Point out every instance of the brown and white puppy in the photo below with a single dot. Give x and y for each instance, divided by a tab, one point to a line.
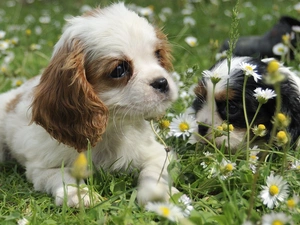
229	89
108	74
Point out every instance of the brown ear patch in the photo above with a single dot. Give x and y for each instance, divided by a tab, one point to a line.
225	95
164	50
65	103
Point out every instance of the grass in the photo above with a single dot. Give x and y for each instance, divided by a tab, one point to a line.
216	201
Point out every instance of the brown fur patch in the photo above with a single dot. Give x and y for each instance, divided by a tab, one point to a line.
10	107
99	73
200	90
224	95
164	49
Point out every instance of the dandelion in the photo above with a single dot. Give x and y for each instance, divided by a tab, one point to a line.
79	169
250	70
182	125
186	201
263	96
280	49
276	219
191	41
292	202
259	130
167	210
275	191
282	138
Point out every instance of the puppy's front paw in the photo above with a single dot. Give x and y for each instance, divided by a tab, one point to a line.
152	192
70	193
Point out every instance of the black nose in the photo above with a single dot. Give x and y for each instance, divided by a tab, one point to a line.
161	85
202	130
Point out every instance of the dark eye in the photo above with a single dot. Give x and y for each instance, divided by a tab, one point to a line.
120	71
158	55
233	110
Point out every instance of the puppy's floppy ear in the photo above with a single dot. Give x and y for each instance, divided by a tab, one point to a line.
65	104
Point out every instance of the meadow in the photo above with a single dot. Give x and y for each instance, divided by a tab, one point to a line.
215	188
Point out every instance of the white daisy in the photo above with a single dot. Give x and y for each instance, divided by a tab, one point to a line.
191	41
250	70
4	45
167	210
23	221
213	76
189	21
2	34
275	191
263	96
276	218
296	29
253	154
182	125
146	11
296	164
280	49
221	55
293	202
188	208
226	167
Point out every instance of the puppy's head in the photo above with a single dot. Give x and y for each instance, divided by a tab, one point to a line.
107	62
227	102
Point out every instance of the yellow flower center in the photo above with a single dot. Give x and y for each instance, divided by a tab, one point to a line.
229	167
277	222
28	32
249	68
253	157
183	126
273	190
261	127
165	124
281	117
291	203
18	83
298	167
282	137
273	66
79	169
165	211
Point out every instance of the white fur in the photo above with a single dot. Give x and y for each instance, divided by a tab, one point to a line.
128	141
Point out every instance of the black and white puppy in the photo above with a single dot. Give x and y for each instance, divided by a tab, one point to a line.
230	88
